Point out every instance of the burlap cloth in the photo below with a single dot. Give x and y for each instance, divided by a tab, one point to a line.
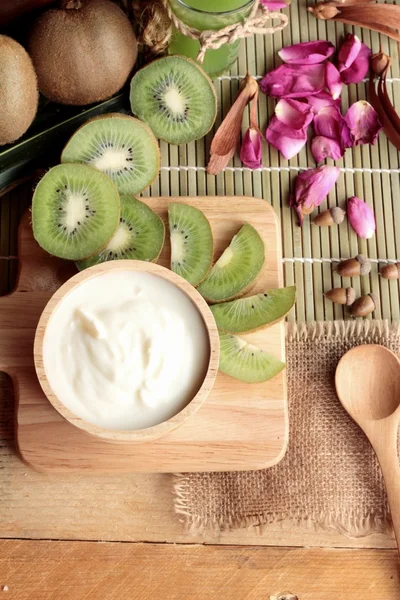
329	476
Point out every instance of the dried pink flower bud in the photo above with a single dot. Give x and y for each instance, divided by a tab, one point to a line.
361	217
307	53
311	188
251	149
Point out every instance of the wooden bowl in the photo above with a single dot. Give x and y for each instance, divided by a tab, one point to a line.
139	435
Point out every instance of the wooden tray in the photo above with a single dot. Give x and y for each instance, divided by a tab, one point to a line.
239	427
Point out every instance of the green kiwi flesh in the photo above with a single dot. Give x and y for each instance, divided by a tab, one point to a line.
254	312
237	268
176	98
122	147
246	362
191	242
139	236
75	211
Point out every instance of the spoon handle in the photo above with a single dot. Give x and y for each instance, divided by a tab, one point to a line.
384	441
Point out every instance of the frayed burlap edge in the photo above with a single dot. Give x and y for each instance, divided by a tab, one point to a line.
347	523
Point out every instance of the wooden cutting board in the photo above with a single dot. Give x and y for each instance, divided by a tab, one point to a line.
239	427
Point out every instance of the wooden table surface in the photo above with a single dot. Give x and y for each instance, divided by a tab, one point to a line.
69	537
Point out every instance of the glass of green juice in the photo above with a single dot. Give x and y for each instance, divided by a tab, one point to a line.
208	15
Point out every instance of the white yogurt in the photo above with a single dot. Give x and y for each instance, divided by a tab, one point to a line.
126	350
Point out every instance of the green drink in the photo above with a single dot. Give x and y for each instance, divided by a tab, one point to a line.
208	15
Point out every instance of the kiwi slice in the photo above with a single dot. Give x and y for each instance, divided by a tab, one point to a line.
176	98
237	268
246	362
191	242
139	236
122	147
75	211
248	314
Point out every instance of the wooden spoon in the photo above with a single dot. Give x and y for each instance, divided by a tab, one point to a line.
368	386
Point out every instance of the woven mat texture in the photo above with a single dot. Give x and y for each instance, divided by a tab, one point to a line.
370	172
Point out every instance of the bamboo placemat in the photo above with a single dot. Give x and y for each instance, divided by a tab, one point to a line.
370	172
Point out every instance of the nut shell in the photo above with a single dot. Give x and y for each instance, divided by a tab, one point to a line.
391	271
364	306
342	295
332	216
352	267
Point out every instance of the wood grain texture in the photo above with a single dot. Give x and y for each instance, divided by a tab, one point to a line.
134	266
133	507
113	571
239	426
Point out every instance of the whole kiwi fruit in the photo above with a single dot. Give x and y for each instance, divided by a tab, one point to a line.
18	90
83	52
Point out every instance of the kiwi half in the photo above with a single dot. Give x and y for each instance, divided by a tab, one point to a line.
176	98
237	268
139	236
122	147
246	362
254	312
75	211
191	242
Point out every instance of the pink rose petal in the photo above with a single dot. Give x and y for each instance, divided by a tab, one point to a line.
329	122
359	68
251	150
361	217
322	100
275	4
294	81
311	188
348	51
287	140
323	147
333	80
363	122
307	53
293	113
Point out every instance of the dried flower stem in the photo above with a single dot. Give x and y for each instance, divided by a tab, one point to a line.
227	137
383	18
380	64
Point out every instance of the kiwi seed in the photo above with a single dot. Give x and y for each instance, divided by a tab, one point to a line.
139	236
75	211
237	268
176	98
191	242
122	147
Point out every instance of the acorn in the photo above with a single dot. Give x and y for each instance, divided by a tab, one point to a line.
332	216
352	267
342	295
391	271
364	306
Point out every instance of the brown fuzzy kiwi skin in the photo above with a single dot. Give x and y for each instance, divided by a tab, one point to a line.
123	116
84	53
196	64
19	94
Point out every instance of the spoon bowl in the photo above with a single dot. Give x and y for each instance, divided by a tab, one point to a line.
368	382
368	386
